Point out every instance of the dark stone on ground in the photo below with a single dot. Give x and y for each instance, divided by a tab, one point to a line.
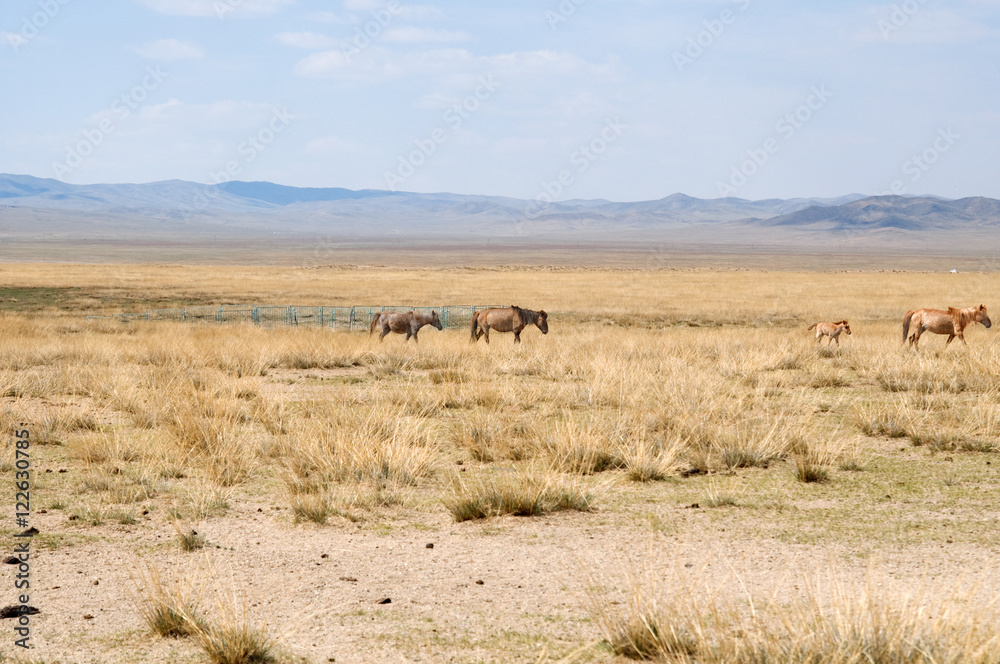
17	610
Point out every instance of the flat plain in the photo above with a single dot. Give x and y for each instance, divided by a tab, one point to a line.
676	471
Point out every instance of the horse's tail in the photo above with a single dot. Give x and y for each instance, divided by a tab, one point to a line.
375	318
906	324
812	326
475	326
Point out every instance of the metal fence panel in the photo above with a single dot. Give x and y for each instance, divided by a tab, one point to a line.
337	318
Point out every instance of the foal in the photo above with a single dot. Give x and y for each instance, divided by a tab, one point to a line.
831	330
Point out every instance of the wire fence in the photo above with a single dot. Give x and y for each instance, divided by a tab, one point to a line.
341	318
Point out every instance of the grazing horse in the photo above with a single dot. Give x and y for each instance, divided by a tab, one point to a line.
408	323
951	322
831	330
513	320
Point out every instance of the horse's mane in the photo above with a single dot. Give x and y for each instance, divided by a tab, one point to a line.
963	316
528	317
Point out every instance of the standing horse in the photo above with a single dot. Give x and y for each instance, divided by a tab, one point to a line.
831	330
408	323
513	320
951	322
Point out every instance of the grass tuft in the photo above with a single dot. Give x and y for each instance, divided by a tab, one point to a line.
511	493
189	538
169	607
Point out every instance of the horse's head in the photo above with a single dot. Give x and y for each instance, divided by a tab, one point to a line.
981	316
543	322
847	326
435	321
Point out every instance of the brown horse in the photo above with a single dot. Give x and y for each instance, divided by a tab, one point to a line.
831	330
408	323
951	322
513	320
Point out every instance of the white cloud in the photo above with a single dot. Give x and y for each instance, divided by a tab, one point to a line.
169	49
216	8
157	111
330	17
227	112
363	5
326	64
307	40
458	64
412	34
408	11
397	8
376	63
548	62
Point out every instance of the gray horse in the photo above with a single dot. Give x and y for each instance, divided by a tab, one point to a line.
400	323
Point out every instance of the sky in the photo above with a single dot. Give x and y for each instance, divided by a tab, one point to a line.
623	100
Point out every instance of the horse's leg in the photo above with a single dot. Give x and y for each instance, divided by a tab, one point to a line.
415	335
486	333
385	331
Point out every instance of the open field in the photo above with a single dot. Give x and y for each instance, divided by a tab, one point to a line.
726	248
675	470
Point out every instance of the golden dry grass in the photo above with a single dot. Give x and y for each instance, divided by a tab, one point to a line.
647	381
671	616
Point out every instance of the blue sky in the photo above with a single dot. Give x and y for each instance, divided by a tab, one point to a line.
617	99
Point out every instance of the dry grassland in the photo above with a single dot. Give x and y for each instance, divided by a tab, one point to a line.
676	471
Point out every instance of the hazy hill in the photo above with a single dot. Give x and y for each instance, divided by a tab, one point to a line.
300	208
908	213
41	208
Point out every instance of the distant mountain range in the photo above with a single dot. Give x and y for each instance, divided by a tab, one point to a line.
31	206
